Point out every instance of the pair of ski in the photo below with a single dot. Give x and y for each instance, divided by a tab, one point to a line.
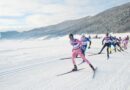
93	76
94	72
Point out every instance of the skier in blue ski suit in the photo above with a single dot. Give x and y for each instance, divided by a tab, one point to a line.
85	40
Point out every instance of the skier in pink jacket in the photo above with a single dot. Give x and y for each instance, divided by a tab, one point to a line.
77	51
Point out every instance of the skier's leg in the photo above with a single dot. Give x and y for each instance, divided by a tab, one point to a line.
74	55
108	46
83	49
125	46
110	50
84	58
83	52
120	47
102	48
115	47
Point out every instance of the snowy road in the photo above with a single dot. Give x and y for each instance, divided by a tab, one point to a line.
34	64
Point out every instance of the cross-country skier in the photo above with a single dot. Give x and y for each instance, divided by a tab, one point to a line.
125	42
85	41
77	51
115	43
106	42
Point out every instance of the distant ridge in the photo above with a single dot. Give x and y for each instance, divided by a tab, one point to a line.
116	19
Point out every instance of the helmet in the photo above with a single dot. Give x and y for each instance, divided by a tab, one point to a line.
71	35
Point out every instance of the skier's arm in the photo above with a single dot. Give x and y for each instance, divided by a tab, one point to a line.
79	43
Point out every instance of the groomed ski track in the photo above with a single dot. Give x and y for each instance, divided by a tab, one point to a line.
35	64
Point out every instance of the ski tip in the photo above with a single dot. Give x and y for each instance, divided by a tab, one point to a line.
94	72
70	72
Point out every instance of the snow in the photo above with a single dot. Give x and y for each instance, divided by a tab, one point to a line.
35	64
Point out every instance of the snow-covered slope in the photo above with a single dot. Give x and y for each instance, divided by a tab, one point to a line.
34	64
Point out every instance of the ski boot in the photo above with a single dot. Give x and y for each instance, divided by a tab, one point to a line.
75	68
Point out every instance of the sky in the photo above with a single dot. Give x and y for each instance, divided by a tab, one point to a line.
23	15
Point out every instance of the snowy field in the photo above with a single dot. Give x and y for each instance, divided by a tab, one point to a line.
35	64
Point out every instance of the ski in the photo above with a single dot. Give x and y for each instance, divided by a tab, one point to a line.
125	51
122	50
95	54
68	58
81	62
69	72
65	58
94	72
